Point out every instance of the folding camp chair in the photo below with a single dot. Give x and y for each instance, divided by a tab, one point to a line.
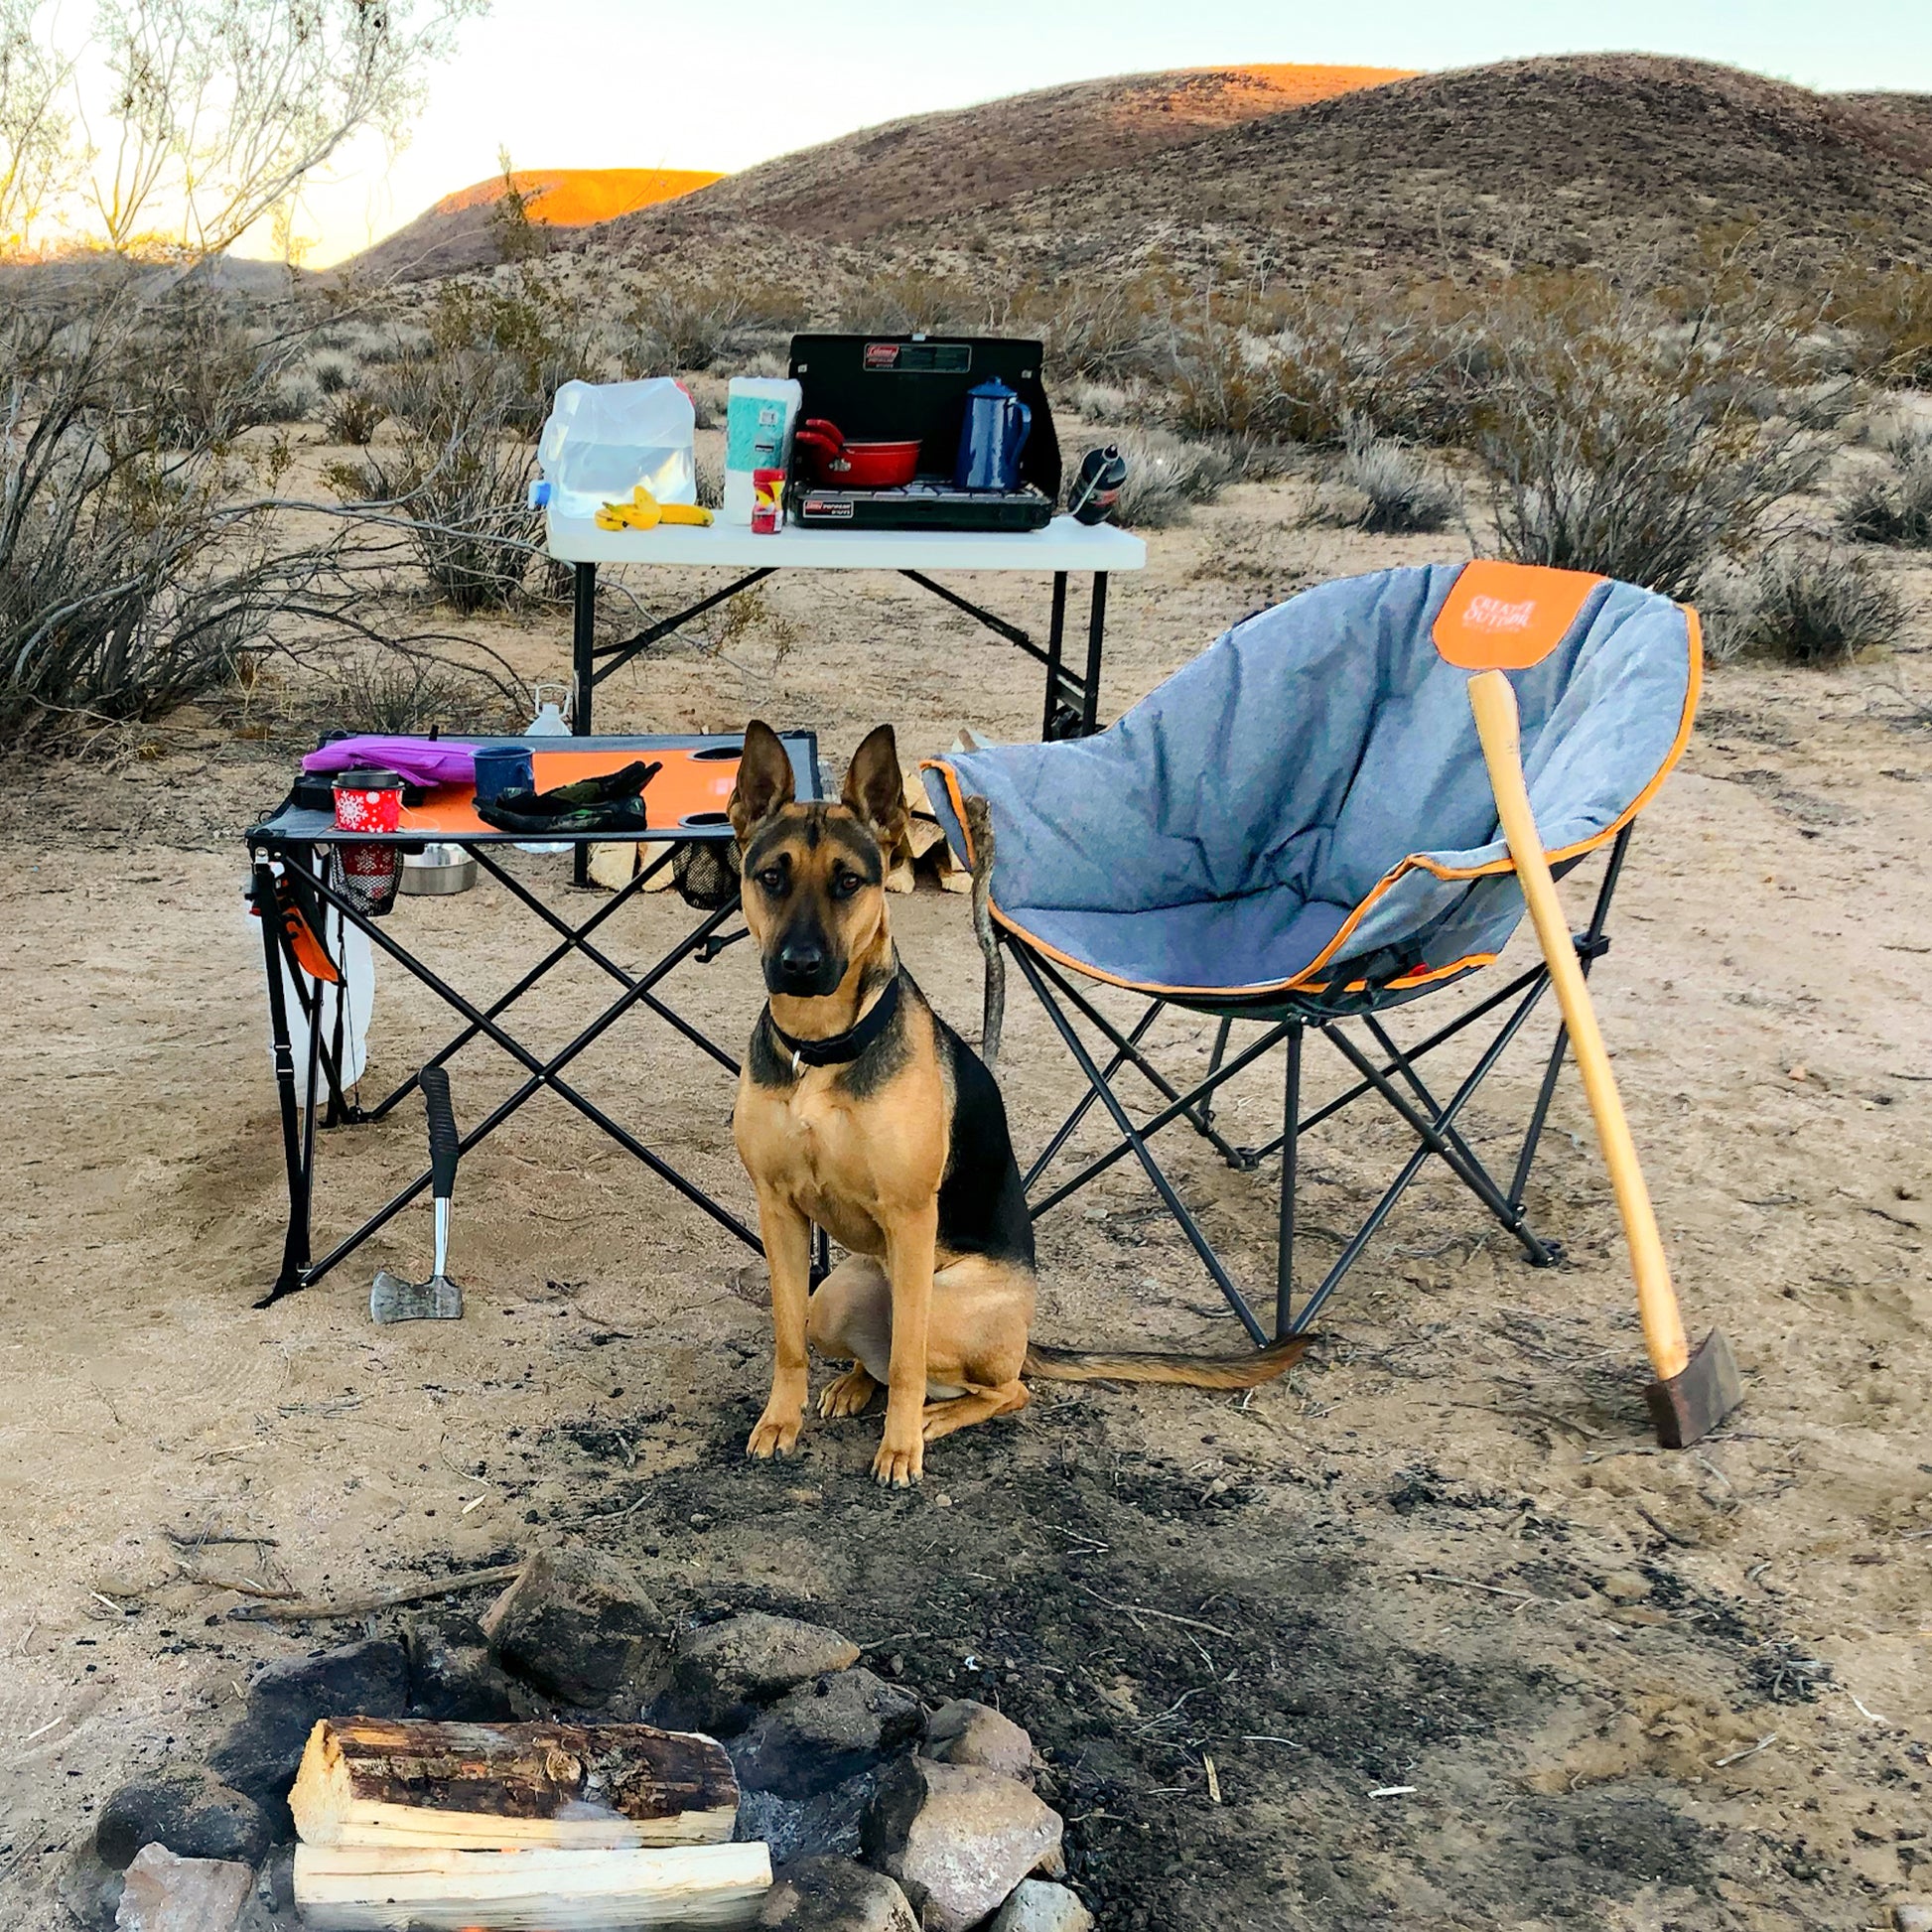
1298	830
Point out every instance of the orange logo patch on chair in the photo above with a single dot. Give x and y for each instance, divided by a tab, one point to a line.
1504	616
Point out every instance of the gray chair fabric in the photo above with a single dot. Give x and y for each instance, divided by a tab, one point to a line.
1318	766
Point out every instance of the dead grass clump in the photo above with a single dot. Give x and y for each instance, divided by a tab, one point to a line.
1894	506
1167	478
407	693
1401	494
1810	605
352	417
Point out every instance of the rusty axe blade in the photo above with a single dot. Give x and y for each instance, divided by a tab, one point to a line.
1687	1406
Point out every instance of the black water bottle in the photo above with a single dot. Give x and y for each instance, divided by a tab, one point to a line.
1096	485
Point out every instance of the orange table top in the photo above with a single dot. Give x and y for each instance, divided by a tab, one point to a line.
687	797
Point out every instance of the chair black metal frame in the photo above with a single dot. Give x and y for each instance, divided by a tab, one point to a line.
1386	1070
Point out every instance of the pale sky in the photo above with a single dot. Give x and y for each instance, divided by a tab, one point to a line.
612	83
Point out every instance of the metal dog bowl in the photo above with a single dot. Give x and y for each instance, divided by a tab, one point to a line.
438	869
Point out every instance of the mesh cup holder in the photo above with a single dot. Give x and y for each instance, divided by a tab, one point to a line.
706	871
366	875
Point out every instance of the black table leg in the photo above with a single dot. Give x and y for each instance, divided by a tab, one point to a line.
1055	641
295	1246
582	641
1096	633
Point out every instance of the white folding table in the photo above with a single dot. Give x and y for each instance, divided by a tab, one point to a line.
1072	708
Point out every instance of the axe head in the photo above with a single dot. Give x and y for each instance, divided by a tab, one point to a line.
1694	1400
436	1300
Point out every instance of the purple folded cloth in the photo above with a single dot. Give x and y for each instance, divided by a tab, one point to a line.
420	761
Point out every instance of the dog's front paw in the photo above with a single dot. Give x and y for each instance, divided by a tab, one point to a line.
899	1464
776	1434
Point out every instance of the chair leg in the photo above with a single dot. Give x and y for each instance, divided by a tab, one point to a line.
1290	1147
1152	1167
1429	1132
1066	1128
1197	1117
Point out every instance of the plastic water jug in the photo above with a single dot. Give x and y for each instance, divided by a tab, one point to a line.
548	723
604	439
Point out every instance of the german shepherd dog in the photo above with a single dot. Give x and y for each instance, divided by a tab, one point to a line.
862	1111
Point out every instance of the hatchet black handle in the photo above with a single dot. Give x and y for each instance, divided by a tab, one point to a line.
435	1082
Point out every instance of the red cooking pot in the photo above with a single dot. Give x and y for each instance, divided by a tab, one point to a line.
840	464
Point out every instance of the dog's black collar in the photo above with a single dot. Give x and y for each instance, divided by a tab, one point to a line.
839	1049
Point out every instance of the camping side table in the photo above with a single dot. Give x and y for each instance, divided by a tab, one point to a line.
687	797
1064	548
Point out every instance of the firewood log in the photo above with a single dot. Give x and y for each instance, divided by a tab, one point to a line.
351	1888
407	1782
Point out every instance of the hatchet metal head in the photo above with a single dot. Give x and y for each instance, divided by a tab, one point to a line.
436	1300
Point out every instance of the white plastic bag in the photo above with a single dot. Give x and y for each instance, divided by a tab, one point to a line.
351	945
602	439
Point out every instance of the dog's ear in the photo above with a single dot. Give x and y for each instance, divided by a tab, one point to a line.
873	789
764	783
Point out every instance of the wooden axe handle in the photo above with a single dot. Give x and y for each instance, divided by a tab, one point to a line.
1493	700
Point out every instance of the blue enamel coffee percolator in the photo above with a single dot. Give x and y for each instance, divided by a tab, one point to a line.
989	441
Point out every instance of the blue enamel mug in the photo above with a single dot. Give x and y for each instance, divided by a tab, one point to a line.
501	768
991	439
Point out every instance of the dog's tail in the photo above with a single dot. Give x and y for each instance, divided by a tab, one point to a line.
1190	1371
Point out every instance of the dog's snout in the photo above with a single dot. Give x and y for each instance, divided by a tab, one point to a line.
802	964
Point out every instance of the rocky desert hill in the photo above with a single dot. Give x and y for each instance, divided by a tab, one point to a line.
939	167
1602	158
458	232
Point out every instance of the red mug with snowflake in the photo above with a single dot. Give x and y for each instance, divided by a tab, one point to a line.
368	802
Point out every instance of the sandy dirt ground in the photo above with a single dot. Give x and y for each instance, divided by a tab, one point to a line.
1463	1648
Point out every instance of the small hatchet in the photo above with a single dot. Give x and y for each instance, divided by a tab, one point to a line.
438	1298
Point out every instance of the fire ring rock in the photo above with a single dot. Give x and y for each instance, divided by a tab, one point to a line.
824	1732
188	1810
262	1750
578	1626
165	1894
957	1838
834	1895
726	1670
1036	1906
963	1731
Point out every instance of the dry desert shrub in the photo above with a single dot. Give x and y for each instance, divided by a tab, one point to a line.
1617	442
1806	603
903	302
1167	478
457	478
410	692
1894	504
1887	313
533	338
1106	329
1401	493
352	417
133	575
683	328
